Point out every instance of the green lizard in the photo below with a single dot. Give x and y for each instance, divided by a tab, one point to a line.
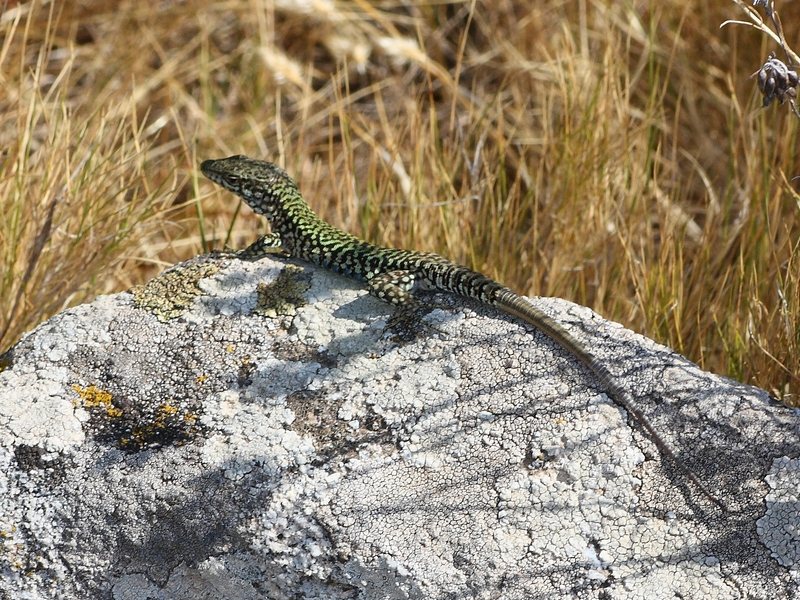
391	274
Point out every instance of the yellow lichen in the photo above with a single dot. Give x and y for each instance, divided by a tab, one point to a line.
94	397
165	422
167	409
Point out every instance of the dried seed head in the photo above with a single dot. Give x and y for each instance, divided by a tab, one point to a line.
776	81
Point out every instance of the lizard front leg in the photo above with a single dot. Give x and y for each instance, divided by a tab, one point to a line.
266	244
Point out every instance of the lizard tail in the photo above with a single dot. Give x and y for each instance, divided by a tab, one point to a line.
517	306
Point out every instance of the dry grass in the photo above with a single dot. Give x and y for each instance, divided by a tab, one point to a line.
612	153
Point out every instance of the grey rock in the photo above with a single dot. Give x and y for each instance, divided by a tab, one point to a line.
243	430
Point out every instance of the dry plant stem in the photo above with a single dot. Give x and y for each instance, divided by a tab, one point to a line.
39	242
758	23
791	56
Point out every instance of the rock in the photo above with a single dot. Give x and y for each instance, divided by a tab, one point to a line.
266	430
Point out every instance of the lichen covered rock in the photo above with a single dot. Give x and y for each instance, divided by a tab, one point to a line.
261	430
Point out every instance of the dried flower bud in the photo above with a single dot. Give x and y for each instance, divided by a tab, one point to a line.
776	81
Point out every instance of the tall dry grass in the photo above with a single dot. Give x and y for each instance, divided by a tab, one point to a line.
612	153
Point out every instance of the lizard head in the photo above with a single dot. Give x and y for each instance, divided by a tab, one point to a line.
263	185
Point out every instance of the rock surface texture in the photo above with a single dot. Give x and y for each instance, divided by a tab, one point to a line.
267	430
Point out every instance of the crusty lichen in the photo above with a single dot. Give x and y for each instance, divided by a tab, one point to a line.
171	293
284	295
94	397
326	462
168	423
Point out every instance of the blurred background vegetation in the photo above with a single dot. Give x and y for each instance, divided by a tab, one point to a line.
612	153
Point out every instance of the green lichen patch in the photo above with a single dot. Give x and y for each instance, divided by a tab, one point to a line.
283	296
171	293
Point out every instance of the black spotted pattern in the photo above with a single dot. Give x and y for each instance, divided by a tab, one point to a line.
270	192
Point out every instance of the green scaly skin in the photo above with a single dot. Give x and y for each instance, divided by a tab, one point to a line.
390	273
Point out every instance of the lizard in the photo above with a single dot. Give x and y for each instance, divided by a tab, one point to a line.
392	274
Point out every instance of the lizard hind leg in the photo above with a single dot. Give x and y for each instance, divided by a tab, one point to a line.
395	288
